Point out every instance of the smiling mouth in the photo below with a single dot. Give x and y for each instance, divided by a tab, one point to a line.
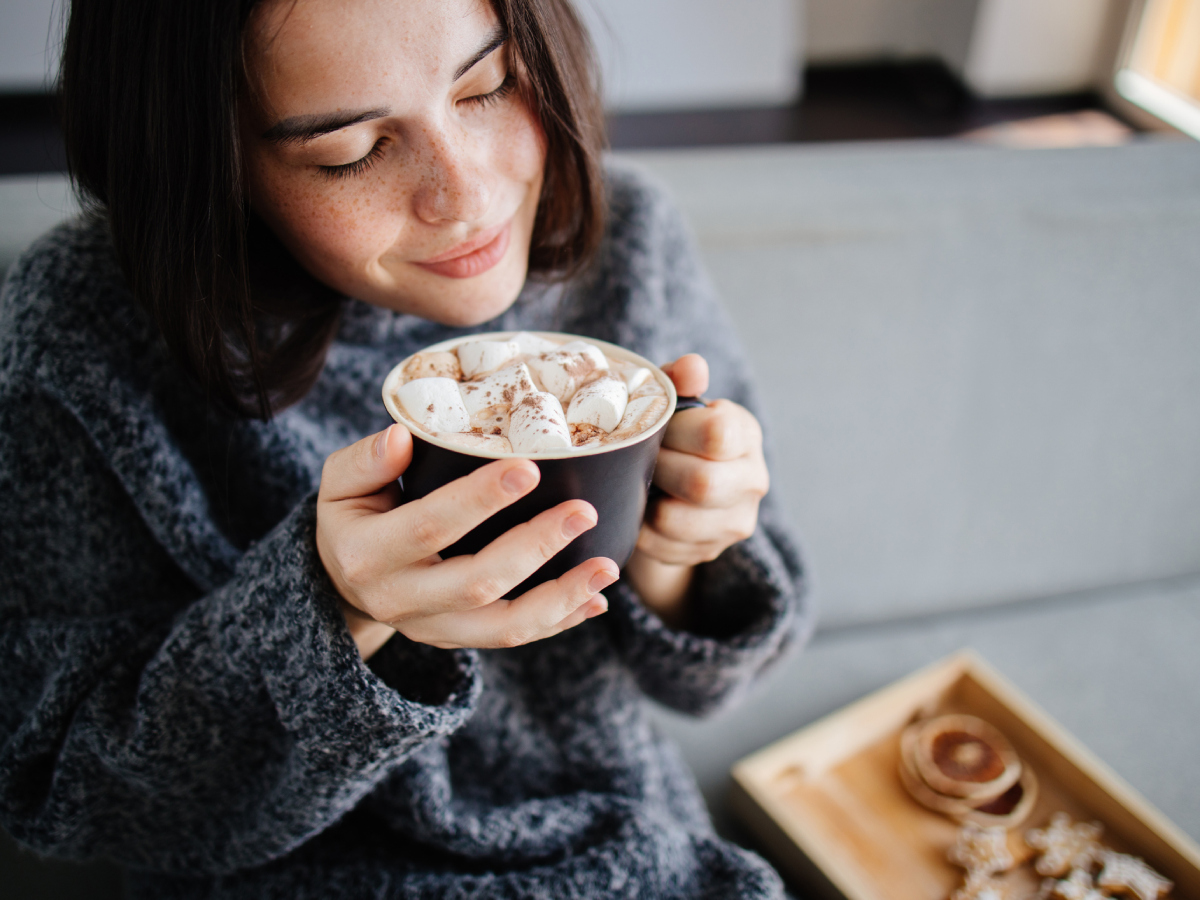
472	257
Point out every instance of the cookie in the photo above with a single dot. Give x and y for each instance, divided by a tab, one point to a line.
1008	810
1130	875
963	756
1065	845
981	887
981	851
1078	886
916	786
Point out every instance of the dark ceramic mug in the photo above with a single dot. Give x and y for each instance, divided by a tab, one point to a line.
614	478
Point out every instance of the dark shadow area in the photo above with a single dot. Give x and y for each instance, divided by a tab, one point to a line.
26	876
876	101
30	139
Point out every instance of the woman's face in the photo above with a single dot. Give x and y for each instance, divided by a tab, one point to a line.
388	147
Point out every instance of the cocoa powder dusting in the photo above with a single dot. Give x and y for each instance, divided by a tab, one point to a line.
576	364
584	432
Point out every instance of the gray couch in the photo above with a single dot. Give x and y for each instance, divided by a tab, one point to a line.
983	372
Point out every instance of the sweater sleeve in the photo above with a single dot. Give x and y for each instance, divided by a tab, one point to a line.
169	726
749	606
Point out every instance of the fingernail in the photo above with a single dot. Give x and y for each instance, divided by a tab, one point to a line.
600	581
518	480
597	606
381	442
576	525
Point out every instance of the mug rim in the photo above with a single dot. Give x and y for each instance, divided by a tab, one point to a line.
612	351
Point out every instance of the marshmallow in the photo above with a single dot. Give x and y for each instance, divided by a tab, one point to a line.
600	403
491	419
435	404
640	414
591	351
443	364
507	387
563	370
478	357
531	344
636	378
538	425
487	443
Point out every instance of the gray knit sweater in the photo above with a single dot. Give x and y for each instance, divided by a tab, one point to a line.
178	690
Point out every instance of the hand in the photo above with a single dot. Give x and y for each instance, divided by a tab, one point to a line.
383	556
711	466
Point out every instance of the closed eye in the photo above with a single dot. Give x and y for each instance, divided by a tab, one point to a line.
492	97
349	170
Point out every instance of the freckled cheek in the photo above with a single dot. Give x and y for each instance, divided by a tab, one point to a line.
345	224
520	149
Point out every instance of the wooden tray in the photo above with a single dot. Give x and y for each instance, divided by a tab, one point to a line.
828	803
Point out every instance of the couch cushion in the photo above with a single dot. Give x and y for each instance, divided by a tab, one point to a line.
980	363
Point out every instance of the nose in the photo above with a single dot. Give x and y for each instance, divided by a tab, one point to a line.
454	185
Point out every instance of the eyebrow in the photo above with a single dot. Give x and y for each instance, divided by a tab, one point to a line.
302	129
494	40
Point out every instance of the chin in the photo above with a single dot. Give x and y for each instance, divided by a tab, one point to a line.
481	306
480	302
465	318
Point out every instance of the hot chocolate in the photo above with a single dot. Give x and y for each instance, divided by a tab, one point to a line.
529	395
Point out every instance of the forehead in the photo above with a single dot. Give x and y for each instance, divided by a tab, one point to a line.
319	55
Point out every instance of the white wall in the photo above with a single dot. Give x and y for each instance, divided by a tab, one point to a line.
1037	46
854	30
28	55
1000	47
671	54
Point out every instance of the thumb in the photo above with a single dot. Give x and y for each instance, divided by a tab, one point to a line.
368	466
690	374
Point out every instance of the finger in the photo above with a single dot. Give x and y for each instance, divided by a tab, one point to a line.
722	430
594	607
426	526
470	582
678	553
367	466
689	373
709	484
534	615
678	521
540	613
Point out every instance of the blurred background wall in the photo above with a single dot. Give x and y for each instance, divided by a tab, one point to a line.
670	54
28	54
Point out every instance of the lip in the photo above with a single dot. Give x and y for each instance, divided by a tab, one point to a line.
472	257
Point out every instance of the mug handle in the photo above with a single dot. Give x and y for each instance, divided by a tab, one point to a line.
681	403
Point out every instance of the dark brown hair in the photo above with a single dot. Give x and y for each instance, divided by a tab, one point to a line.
149	98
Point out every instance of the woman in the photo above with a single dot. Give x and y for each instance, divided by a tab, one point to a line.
233	659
